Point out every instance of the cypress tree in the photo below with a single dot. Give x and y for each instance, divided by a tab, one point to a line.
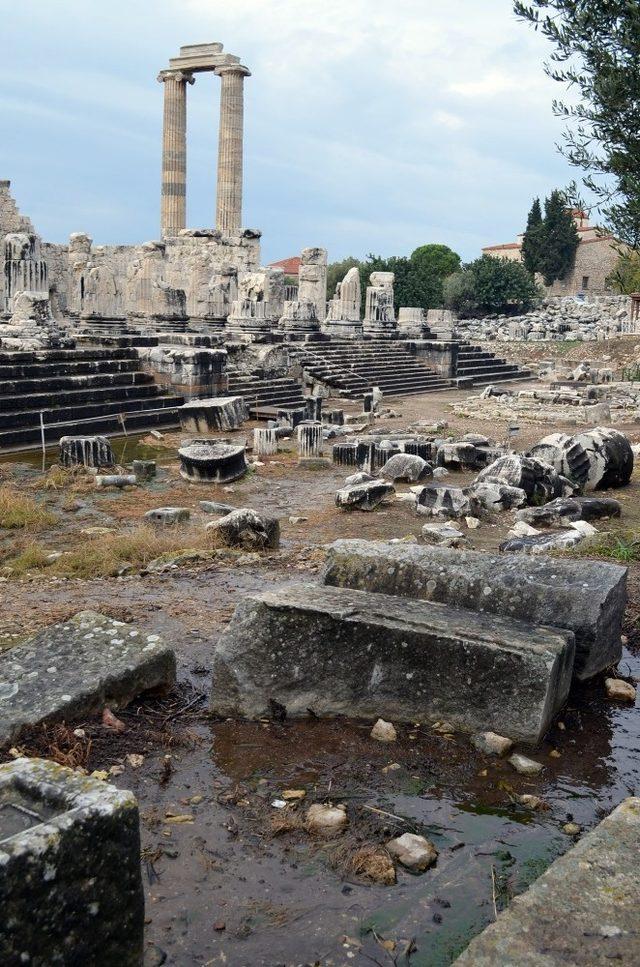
560	239
533	241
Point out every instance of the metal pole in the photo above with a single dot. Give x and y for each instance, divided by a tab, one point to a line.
44	448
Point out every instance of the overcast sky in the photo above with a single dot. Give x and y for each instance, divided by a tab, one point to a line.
370	126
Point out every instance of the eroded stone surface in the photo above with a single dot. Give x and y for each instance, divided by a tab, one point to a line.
583	910
340	651
76	668
70	883
246	528
586	597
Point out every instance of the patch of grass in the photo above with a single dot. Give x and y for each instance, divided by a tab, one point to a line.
32	558
19	511
623	547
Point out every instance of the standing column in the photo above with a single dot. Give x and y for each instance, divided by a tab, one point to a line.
173	202
230	138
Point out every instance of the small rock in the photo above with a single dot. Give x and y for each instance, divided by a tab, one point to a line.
571	829
384	731
325	818
472	523
491	743
532	802
135	760
413	851
525	766
619	690
522	529
298	520
392	767
292	795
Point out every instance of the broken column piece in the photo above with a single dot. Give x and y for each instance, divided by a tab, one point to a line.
586	597
70	881
310	441
86	451
345	652
212	461
265	442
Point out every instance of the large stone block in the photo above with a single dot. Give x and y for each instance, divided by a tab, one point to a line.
340	651
77	667
583	910
217	413
70	884
585	597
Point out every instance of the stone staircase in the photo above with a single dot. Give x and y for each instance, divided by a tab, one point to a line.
265	394
78	391
352	368
477	367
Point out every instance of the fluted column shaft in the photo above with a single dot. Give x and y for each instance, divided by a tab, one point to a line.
230	149
173	203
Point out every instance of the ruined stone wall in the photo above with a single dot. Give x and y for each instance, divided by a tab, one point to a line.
57	259
10	218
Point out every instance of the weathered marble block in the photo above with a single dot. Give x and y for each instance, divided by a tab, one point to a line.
76	668
585	597
86	451
168	516
310	441
345	652
217	413
265	442
212	462
595	885
70	883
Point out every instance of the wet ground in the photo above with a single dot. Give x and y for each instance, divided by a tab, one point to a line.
232	879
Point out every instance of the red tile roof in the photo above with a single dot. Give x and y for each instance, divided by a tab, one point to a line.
289	266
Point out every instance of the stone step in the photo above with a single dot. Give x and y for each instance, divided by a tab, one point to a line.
74	398
30	417
44	370
585	597
408	661
140	415
87	382
63	355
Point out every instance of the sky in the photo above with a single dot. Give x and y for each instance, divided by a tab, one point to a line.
370	125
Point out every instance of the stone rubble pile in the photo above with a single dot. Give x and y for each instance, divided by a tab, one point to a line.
564	318
574	404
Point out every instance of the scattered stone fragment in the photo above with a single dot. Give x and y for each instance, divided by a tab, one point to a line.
566	455
595	885
619	690
358	478
77	667
532	802
445	534
520	529
247	528
116	480
472	523
216	508
565	509
365	496
584	528
326	819
542	543
586	597
539	481
144	469
492	744
439	500
406	466
525	766
496	497
413	852
168	516
72	872
384	731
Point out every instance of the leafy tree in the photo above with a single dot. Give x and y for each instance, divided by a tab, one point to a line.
625	277
418	279
534	241
491	285
560	239
596	54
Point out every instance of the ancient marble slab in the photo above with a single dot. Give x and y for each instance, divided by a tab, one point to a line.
583	910
76	668
340	651
585	597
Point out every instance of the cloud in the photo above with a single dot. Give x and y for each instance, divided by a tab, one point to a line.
369	125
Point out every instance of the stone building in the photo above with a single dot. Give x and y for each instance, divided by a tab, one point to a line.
596	257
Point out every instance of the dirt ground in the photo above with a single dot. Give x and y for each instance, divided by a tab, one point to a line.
230	878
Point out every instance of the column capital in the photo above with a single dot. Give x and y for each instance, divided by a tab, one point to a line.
176	75
232	69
